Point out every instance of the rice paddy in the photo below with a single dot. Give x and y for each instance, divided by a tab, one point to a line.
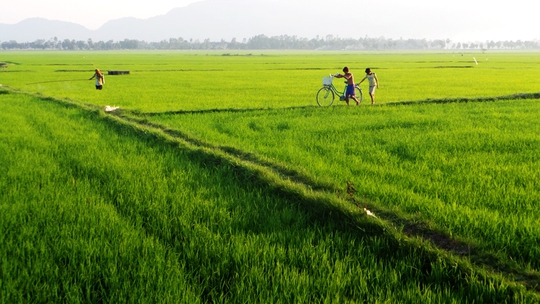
219	179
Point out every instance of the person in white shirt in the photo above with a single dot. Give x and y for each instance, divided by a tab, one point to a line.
373	83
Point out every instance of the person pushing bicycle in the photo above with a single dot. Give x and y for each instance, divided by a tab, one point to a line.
350	85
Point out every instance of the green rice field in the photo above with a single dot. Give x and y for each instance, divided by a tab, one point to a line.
220	180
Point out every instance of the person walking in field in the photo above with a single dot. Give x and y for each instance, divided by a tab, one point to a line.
373	83
100	79
350	85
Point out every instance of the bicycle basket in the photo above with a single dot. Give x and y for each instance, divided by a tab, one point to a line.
327	81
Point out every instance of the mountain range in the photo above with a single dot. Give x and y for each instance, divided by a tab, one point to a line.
210	19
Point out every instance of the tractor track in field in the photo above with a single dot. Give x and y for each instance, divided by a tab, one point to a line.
412	228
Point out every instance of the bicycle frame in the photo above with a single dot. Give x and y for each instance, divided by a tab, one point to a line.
326	94
341	94
334	89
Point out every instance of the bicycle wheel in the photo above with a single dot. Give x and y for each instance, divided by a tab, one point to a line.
325	97
358	92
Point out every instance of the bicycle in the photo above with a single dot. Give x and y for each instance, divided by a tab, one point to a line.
327	94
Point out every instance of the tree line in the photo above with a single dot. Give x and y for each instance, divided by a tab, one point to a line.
263	42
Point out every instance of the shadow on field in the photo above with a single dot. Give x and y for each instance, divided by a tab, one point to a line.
228	110
479	99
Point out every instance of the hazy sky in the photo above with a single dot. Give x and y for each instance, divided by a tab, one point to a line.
431	19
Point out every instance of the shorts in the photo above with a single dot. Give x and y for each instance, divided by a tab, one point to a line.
350	90
372	90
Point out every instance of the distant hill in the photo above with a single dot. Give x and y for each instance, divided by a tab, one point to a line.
39	28
210	19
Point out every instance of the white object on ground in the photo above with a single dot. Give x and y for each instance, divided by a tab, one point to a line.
110	109
369	212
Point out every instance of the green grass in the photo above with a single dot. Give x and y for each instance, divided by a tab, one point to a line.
94	211
471	169
169	81
220	180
